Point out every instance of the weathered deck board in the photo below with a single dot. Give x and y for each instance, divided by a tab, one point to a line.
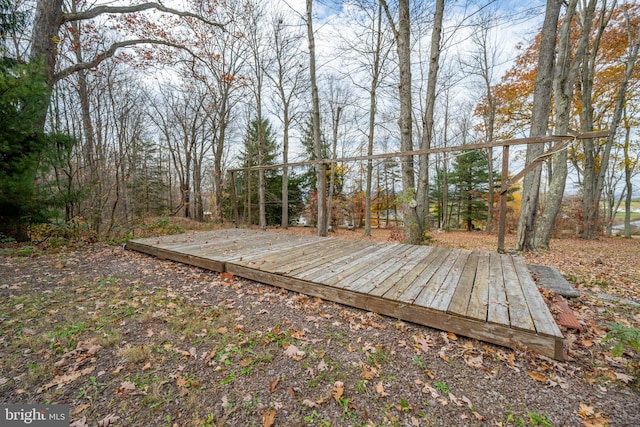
479	298
482	295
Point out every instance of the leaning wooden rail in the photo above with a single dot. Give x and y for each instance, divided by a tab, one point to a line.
508	183
504	143
561	142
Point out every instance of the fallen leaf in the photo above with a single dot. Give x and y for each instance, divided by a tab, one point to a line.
443	355
538	377
596	422
423	343
309	403
226	276
146	367
466	400
268	418
368	373
108	420
126	387
322	366
452	336
586	411
273	385
61	380
623	377
478	416
591	418
474	362
299	335
293	352
82	422
80	408
430	390
454	399
338	389
380	389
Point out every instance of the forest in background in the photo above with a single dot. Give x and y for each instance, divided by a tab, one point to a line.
116	112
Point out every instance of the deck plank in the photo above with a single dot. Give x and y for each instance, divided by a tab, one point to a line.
365	284
462	294
479	299
414	257
430	288
518	309
355	268
301	258
498	310
542	318
333	266
407	289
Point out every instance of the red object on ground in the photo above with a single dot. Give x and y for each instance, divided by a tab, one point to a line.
564	315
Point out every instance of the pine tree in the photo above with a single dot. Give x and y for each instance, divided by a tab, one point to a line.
470	178
22	150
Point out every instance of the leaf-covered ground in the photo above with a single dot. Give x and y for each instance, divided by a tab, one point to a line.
131	340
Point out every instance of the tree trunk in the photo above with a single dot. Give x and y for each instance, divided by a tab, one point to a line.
564	82
428	118
539	124
628	171
334	155
44	36
284	223
402	35
321	181
372	118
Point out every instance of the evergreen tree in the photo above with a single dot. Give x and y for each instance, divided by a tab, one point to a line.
471	179
147	187
307	143
22	150
249	158
248	199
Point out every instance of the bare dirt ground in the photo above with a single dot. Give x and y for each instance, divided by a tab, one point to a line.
130	340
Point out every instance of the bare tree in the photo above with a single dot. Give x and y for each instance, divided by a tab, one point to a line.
402	34
287	76
321	181
539	124
220	63
338	96
50	17
482	62
370	48
182	116
595	171
428	119
564	81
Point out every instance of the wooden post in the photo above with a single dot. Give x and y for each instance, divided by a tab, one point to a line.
235	198
504	189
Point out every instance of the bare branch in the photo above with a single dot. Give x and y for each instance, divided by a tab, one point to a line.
110	52
385	6
100	10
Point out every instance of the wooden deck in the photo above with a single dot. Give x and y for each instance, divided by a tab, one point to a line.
482	295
